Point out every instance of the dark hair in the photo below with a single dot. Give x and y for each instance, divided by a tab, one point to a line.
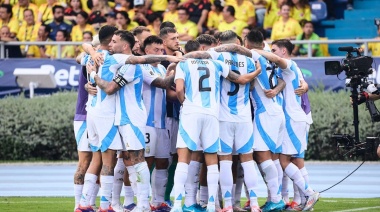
303	3
30	10
263	32
167	30
47	28
150	40
217	35
231	10
105	34
126	36
192	45
87	32
303	22
64	32
284	43
218	5
58	7
140	29
152	17
240	40
205	39
83	14
255	37
287	4
8	7
227	35
125	15
167	24
183	8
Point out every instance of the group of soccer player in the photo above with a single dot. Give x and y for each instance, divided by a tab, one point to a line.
123	128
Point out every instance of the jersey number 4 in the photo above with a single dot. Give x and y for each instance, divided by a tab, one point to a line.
203	77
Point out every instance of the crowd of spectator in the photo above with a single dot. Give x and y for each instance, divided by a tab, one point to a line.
79	20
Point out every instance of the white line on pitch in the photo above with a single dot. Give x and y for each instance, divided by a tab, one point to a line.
359	209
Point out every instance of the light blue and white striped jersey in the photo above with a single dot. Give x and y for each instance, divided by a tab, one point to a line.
130	108
234	98
292	102
154	98
103	105
202	85
266	80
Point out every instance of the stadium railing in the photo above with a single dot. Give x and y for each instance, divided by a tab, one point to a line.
308	42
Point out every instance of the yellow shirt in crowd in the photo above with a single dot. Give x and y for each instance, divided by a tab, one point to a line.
13	25
236	26
245	11
28	33
172	17
299	14
214	19
286	30
18	12
77	32
159	5
66	52
189	28
271	15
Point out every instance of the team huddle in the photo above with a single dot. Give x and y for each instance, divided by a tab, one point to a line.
213	110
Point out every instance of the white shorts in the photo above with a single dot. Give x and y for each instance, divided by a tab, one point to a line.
268	132
157	143
199	130
302	154
80	132
295	137
133	137
172	127
235	137
103	134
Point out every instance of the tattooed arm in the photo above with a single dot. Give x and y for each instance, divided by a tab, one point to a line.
245	78
180	90
147	59
271	93
281	62
108	87
233	48
163	83
171	95
198	55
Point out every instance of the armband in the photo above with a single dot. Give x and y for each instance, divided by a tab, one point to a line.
120	81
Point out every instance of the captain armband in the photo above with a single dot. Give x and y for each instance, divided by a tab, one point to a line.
120	81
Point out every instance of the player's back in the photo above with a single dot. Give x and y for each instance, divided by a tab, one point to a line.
101	104
234	98
292	102
266	80
130	108
202	85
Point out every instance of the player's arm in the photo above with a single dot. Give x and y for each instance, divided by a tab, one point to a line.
180	90
79	57
234	48
198	55
303	88
171	94
108	87
271	93
147	59
97	57
90	89
281	62
163	83
245	78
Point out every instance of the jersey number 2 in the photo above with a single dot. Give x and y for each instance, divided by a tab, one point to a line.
207	75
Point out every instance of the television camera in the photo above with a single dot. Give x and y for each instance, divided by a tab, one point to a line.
357	69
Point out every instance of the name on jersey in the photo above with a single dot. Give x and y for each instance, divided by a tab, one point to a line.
235	63
203	62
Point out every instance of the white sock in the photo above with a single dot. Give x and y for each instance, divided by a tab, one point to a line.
191	185
128	195
295	174
251	181
77	193
284	189
297	194
118	177
153	182
106	182
94	194
133	180
212	184
239	184
305	176
226	182
203	195
271	178
180	178
88	187
143	184
159	183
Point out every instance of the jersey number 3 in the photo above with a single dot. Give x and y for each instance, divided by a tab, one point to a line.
203	77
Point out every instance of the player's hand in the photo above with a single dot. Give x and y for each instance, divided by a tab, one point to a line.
98	58
91	89
303	88
270	93
175	59
91	68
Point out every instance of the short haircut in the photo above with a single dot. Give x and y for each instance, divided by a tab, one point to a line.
228	36
125	15
217	35
205	39
8	7
64	32
126	36
47	28
151	40
167	24
231	10
167	30
152	17
83	14
140	29
255	37
105	34
218	5
30	10
87	32
183	8
192	45
303	22
284	43
58	7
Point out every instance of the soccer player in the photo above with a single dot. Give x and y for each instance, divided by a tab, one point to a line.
131	115
198	89
296	121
